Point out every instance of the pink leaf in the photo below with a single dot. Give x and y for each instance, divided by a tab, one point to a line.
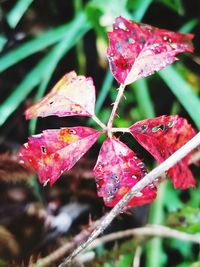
117	170
72	95
55	151
137	50
162	136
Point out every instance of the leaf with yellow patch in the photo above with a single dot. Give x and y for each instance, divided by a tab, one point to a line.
72	95
55	151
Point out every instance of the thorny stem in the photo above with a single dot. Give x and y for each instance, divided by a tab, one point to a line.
149	178
114	109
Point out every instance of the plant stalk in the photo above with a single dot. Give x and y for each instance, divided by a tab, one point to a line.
114	109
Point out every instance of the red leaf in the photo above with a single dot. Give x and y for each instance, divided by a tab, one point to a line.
162	136
55	151
72	95
117	170
137	50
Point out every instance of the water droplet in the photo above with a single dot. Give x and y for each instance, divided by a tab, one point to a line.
167	39
174	46
134	177
26	145
139	194
140	164
46	182
122	26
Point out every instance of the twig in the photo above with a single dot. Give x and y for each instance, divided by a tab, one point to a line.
149	178
149	230
115	106
66	248
137	256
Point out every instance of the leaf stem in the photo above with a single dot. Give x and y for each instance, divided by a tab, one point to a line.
99	122
124	130
115	106
149	178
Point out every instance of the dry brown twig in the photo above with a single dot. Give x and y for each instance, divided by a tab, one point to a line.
137	256
66	248
148	231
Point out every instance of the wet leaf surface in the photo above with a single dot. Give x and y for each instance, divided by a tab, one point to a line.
162	136
117	170
138	50
72	95
55	151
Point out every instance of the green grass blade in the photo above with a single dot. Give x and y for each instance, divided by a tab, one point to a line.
58	52
188	26
154	253
39	43
81	58
17	12
107	83
141	10
143	98
40	93
104	90
31	80
183	91
48	63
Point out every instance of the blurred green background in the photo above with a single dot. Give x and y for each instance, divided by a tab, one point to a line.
42	40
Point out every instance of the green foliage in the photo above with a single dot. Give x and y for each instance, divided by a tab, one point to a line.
43	71
183	91
186	219
17	12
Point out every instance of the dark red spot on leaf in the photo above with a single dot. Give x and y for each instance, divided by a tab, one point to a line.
162	137
120	170
137	50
